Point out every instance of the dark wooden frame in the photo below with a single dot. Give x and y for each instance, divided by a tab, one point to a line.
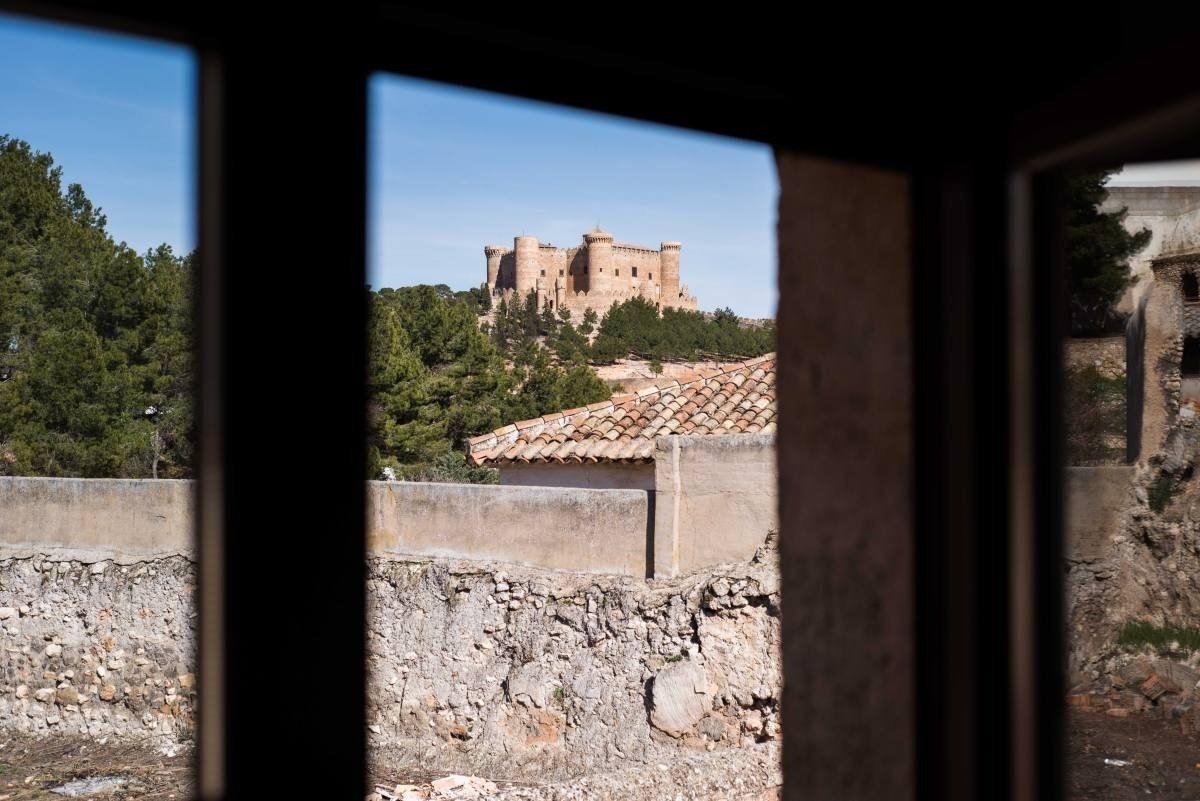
282	583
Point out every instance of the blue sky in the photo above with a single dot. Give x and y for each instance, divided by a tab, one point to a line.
117	114
453	170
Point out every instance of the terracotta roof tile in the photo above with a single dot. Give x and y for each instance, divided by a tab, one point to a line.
731	399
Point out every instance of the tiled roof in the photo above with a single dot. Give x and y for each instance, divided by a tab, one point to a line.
732	399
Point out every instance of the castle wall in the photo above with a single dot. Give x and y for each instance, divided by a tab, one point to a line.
596	275
508	271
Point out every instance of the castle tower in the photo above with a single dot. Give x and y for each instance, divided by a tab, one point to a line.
600	261
669	272
493	253
527	263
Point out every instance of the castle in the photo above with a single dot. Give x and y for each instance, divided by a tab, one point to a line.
596	274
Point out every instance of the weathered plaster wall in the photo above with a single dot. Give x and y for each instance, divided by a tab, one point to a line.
715	507
122	519
616	475
1167	211
602	531
715	499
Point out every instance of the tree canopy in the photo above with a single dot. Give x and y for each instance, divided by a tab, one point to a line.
436	379
96	356
636	328
1098	251
96	350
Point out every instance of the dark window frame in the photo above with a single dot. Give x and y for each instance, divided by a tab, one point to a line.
990	724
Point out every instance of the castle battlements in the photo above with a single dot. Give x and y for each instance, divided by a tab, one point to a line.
596	274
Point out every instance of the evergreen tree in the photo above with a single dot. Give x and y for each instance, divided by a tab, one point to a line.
436	379
636	328
1098	251
97	372
590	320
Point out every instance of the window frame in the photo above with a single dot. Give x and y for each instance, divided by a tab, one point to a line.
1004	191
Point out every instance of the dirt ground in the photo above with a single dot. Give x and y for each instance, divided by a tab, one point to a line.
1164	762
30	768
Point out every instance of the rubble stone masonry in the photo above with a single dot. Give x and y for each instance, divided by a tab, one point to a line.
514	672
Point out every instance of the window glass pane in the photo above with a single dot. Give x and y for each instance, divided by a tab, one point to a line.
572	497
97	693
1131	389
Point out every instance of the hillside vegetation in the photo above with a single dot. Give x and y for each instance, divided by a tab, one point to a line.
97	367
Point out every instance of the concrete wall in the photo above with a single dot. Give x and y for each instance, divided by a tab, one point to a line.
589	476
704	501
715	499
1096	497
597	531
123	519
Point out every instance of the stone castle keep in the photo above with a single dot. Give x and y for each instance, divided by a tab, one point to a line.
596	274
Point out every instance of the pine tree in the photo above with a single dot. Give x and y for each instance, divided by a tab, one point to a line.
1098	251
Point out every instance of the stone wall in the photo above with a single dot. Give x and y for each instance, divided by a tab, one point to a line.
1106	354
98	648
122	519
475	667
522	673
1097	501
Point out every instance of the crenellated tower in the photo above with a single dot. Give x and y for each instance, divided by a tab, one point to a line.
493	253
669	280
